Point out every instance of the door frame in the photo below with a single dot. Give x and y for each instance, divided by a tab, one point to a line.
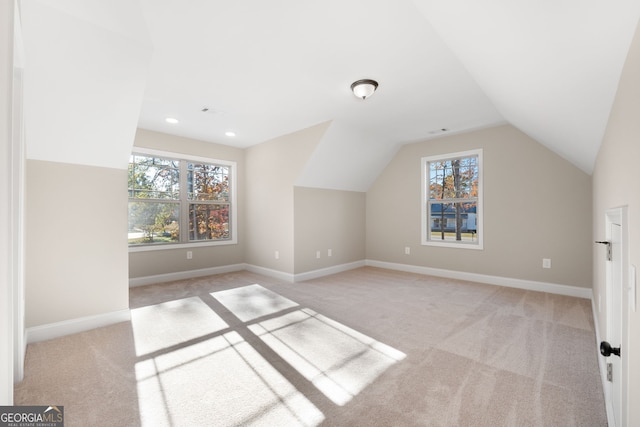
618	216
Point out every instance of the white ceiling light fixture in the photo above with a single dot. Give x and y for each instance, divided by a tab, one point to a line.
172	120
364	88
230	133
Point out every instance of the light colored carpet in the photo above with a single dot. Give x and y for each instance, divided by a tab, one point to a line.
368	347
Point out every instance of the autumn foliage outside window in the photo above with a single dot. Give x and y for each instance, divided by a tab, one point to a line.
174	200
209	201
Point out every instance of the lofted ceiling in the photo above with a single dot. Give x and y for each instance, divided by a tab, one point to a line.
266	69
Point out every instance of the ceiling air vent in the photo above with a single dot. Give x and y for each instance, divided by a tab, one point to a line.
438	131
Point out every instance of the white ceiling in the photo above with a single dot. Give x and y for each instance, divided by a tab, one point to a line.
270	68
265	69
85	68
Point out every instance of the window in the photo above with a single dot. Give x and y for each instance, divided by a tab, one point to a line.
452	200
180	200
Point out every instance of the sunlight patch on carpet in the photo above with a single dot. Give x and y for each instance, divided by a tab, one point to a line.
338	360
171	323
196	368
222	381
251	302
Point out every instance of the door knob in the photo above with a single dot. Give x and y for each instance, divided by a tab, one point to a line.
606	350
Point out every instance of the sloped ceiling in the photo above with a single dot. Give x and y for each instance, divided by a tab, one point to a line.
551	68
85	67
265	69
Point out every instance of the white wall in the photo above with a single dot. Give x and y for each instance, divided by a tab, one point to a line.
615	184
18	198
6	246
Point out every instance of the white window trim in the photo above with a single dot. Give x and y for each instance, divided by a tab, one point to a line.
479	244
234	201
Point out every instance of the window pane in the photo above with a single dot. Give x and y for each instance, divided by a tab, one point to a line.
438	182
153	222
453	179
208	182
208	222
162	200
453	221
154	178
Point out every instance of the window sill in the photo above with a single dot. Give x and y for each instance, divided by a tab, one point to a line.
169	246
476	246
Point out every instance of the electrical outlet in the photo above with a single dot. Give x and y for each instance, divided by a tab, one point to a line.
546	263
407	250
189	255
318	254
329	252
277	254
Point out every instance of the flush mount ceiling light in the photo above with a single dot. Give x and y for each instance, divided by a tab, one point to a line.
364	88
172	120
230	134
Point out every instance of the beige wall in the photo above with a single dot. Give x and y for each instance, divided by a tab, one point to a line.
76	242
328	219
615	184
271	170
536	205
155	262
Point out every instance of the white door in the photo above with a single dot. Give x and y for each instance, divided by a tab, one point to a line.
615	325
614	348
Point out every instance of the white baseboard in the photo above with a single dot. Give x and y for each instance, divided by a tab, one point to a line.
73	326
530	285
314	274
280	275
181	275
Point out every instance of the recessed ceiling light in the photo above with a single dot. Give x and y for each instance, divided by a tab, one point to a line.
172	120
229	133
